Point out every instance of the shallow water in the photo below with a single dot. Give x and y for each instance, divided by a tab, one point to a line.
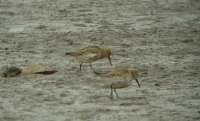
158	36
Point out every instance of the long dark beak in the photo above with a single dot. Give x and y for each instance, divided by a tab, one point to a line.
110	60
137	82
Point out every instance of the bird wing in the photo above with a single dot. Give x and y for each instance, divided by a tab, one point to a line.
88	57
94	47
90	53
90	49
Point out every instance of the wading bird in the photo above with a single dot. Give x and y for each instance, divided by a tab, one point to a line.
91	54
118	78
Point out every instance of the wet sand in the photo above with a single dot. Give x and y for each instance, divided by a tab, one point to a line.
161	37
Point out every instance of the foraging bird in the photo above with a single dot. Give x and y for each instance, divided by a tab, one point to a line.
91	54
118	78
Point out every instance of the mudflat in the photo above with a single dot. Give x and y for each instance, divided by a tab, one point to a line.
160	37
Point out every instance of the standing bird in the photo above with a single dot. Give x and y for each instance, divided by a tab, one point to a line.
91	54
118	78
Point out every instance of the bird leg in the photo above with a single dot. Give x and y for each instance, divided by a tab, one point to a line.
116	93
111	92
137	82
110	60
81	66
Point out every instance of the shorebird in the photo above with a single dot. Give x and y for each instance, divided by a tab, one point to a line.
91	54
118	78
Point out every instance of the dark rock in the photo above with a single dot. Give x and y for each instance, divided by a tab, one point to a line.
11	71
156	84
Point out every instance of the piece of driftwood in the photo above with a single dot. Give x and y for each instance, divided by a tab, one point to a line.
38	69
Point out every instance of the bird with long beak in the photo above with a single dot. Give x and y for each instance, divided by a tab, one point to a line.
118	78
91	54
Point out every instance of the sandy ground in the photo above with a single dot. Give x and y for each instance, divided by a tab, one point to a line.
159	36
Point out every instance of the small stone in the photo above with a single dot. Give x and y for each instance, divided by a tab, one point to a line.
156	84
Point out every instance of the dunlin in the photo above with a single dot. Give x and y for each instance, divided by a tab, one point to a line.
91	54
118	78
